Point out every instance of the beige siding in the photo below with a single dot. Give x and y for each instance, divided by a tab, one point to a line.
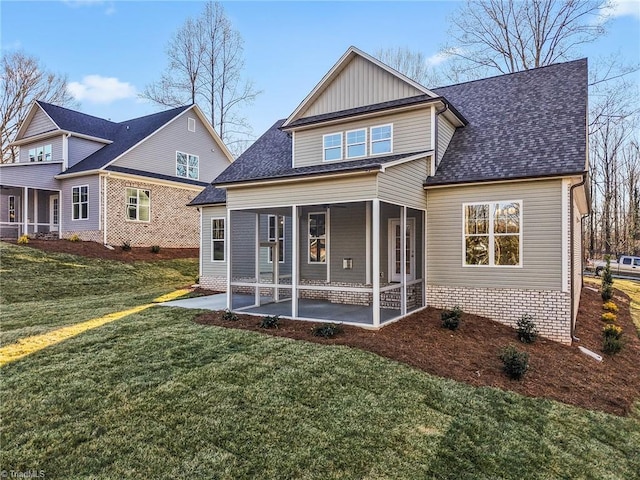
158	153
300	192
360	83
541	236
404	184
577	259
210	268
39	124
445	133
411	133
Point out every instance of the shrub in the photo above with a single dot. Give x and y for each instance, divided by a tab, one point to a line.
327	330
270	321
515	362
607	278
74	238
611	345
126	246
23	240
155	249
610	307
527	332
608	317
229	316
612	331
606	293
451	318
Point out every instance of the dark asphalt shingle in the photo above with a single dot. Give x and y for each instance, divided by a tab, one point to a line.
78	122
209	196
159	176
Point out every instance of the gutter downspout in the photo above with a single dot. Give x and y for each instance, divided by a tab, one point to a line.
104	206
572	252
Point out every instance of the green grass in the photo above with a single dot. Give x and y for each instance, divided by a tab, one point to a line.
155	395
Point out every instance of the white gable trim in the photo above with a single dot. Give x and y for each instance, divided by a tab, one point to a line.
406	159
29	118
57	133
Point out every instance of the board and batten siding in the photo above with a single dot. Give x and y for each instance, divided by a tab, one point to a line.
445	134
411	133
360	83
541	236
404	184
347	239
210	268
81	148
56	149
40	123
32	175
158	152
66	211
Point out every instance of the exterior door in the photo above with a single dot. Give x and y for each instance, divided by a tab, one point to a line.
54	213
395	249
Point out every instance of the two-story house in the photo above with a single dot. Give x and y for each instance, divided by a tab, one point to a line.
377	197
110	182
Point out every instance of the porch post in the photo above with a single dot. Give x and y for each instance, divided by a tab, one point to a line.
403	261
35	211
276	262
25	211
375	203
227	237
294	260
256	293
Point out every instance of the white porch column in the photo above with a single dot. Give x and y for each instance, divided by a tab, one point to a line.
256	266
295	247
25	210
35	211
403	261
276	261
227	243
375	210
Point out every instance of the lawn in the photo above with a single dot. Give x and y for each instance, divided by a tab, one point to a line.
156	395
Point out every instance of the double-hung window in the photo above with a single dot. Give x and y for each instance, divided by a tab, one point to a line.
138	204
318	237
80	202
493	233
187	166
40	154
332	147
217	240
357	143
12	208
276	231
381	139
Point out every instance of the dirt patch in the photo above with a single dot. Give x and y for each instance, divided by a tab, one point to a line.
97	250
470	354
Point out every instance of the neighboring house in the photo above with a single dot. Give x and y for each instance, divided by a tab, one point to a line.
110	182
485	179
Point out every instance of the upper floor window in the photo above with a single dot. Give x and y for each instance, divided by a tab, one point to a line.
357	143
80	202
187	166
381	139
492	233
40	154
138	204
332	145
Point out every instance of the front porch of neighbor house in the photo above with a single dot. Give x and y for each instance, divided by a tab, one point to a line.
30	211
333	261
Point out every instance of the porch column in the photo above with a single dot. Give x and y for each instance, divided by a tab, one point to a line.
35	211
403	261
294	260
276	262
227	247
375	210
25	210
256	293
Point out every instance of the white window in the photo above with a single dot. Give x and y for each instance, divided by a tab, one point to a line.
381	139
40	153
12	209
357	143
217	240
80	202
493	233
138	204
332	146
318	237
191	124
276	227
187	166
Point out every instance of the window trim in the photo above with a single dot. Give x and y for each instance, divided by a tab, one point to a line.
372	141
324	149
282	241
44	149
326	237
11	199
187	165
347	144
191	124
80	202
491	234
126	197
223	240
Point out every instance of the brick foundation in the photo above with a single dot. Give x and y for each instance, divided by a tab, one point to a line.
214	283
85	236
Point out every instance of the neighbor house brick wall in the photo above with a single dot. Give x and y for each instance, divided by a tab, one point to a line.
550	309
172	223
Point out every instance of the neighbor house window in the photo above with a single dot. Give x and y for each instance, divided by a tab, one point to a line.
80	202
332	145
138	204
318	237
217	240
493	233
276	230
40	154
12	208
381	139
187	165
357	143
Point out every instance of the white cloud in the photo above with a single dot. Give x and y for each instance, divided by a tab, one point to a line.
99	89
109	6
622	8
441	57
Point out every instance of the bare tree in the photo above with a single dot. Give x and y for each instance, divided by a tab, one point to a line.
414	65
25	80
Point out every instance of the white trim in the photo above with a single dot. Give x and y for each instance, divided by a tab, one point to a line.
22	164
224	239
65	151
371	141
143	179
434	140
188	156
565	212
297	179
401	161
15	216
499	181
256	266
35	210
276	240
326	237
327	253
54	227
325	148
104	206
228	254
201	257
295	254
79	203
411	222
375	203
56	133
346	143
27	121
368	242
25	211
127	197
293	149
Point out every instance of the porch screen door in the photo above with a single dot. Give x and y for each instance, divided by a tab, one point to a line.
395	248
54	213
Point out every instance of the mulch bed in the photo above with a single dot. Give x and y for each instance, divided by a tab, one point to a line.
470	354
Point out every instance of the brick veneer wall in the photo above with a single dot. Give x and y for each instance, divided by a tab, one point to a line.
172	225
218	283
550	309
85	236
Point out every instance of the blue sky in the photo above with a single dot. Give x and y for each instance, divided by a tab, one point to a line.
111	49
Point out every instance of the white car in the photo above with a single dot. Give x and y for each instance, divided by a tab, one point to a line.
625	265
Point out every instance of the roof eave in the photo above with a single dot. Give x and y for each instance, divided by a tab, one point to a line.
550	176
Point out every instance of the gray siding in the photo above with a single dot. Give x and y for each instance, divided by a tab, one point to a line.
158	152
66	212
541	237
243	245
347	239
209	268
360	83
39	124
404	184
445	133
56	149
81	148
411	133
32	175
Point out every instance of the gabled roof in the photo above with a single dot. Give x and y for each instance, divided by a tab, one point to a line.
78	122
209	196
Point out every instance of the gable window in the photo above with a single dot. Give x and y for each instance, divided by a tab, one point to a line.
80	202
187	166
276	227
318	237
381	139
138	204
40	154
217	240
332	146
356	143
493	233
191	124
12	208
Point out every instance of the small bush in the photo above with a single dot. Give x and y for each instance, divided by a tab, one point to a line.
229	316
270	321
74	238
451	318
610	307
527	332
126	246
516	363
608	317
611	345
607	278
606	292
327	330
612	331
23	240
155	249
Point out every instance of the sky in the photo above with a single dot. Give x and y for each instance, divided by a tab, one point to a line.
110	50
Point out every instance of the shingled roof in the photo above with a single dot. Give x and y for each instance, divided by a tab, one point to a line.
78	122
